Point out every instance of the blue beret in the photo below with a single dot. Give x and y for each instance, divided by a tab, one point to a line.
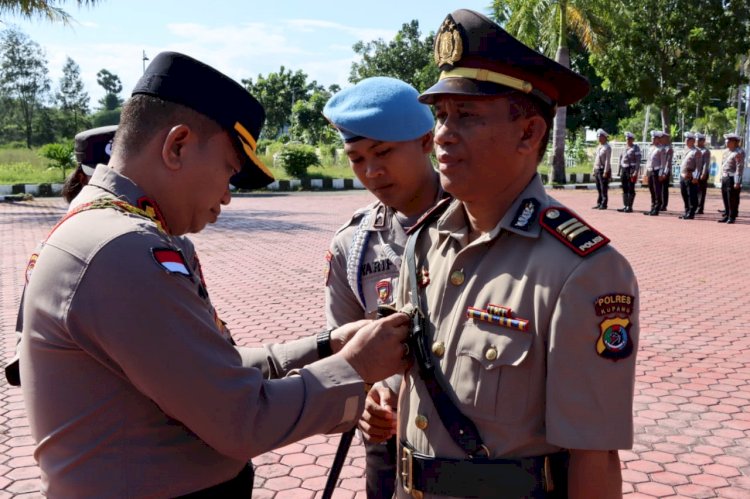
379	108
178	78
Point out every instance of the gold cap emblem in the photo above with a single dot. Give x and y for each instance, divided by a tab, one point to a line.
448	44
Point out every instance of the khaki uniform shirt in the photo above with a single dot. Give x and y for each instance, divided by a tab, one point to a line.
602	159
732	166
668	156
656	160
363	264
705	164
528	392
630	160
691	163
130	388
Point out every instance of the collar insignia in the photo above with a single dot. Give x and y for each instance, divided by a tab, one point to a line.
448	44
525	214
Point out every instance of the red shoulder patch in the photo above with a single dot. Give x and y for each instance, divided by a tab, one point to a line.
573	232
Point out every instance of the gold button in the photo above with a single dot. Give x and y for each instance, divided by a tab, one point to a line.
421	422
457	277
438	348
491	353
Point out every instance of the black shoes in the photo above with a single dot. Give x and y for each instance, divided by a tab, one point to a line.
730	221
596	207
724	220
626	209
687	216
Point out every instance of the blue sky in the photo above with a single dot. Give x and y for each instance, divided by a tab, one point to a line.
240	38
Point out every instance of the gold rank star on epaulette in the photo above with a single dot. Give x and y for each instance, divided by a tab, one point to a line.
572	231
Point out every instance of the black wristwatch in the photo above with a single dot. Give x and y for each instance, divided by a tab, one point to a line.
324	343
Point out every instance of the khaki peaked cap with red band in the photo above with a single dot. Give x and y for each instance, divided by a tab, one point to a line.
478	57
178	78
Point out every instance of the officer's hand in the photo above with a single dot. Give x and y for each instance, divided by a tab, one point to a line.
378	350
341	335
378	422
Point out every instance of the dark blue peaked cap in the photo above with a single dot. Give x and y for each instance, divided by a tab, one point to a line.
94	146
478	57
178	78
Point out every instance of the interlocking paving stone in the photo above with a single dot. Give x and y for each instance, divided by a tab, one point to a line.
692	398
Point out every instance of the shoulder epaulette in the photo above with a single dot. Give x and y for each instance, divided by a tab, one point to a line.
576	234
357	216
431	214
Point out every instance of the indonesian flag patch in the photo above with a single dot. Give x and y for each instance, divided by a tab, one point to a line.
171	260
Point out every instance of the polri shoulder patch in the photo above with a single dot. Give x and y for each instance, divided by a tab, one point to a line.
171	260
576	234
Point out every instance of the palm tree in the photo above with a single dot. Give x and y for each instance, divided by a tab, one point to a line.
546	26
46	9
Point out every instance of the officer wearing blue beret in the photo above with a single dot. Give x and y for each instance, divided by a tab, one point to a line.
131	387
387	136
525	318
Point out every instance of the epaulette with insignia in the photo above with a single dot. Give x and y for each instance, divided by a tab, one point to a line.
572	231
357	216
431	214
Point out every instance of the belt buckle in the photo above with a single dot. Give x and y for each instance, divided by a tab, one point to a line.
407	477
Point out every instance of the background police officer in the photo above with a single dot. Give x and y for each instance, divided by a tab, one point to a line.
630	165
666	141
92	147
705	170
731	178
655	172
387	136
690	171
602	169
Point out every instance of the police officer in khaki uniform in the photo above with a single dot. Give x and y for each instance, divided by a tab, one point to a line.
666	142
655	172
705	170
112	305
731	178
526	355
690	171
92	147
387	136
602	170
630	166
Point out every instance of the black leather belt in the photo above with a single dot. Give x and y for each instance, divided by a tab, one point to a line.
534	477
238	487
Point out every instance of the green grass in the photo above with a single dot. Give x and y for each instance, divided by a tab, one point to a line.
25	166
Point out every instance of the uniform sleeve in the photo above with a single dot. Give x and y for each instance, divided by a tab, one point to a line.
151	327
341	304
608	160
591	356
698	162
279	359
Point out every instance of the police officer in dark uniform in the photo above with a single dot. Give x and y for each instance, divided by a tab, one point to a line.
690	171
666	141
732	167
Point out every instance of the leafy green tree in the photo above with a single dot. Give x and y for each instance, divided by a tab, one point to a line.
547	26
278	92
308	123
406	57
716	122
33	9
72	98
661	52
60	156
112	85
23	77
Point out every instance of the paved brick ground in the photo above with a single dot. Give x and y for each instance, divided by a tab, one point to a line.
264	263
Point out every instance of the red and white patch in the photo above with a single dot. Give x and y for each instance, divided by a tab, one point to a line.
327	268
171	260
